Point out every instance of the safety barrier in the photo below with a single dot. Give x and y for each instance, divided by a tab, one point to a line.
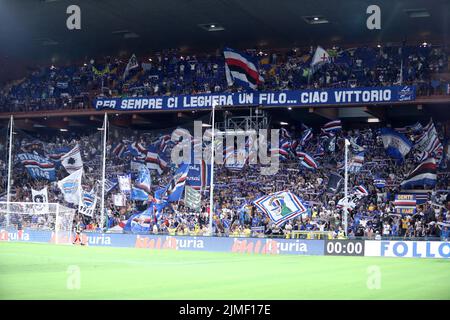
335	247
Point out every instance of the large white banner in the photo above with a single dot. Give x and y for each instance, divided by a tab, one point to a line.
407	249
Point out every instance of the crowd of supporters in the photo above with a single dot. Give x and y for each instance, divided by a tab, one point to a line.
172	73
373	216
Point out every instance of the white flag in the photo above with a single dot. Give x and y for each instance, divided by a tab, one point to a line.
72	161
320	57
192	198
119	200
71	187
40	198
124	183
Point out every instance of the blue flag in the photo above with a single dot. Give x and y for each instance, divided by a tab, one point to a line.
397	145
37	166
140	222
142	185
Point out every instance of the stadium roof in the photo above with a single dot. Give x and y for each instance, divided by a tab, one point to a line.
35	30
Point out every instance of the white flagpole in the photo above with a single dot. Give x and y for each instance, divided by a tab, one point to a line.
345	222
8	189
211	182
102	205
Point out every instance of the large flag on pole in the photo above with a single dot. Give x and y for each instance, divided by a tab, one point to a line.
396	144
40	199
280	206
70	187
424	174
428	142
241	69
37	166
72	161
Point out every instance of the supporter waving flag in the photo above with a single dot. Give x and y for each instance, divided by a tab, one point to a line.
241	69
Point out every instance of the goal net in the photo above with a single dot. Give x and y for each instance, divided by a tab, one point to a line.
42	220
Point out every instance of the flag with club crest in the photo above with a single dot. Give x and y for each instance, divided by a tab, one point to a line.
40	199
72	160
88	202
70	187
280	206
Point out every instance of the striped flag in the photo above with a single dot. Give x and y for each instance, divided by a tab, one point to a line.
361	191
306	160
282	153
241	69
176	186
154	160
332	126
429	141
379	182
119	149
423	174
356	163
405	203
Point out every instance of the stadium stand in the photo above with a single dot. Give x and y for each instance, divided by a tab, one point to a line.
372	214
171	73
